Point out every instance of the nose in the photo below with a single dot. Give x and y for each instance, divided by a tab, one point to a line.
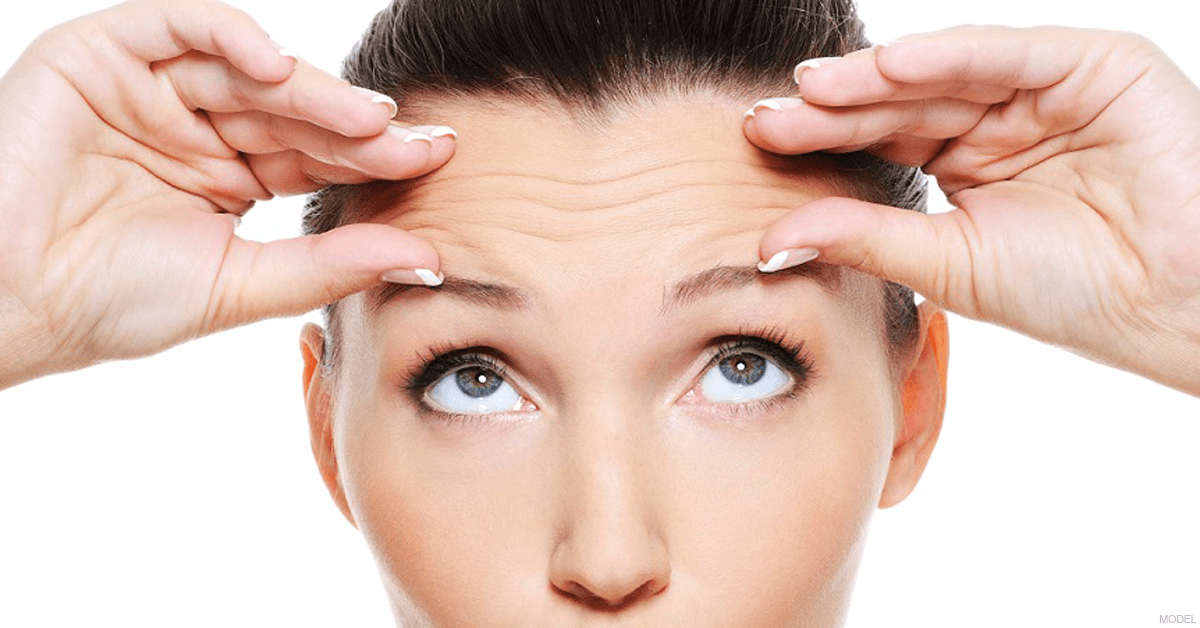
610	553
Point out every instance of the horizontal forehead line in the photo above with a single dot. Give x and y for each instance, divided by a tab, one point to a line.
705	283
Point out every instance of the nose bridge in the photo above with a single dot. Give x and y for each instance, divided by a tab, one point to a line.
610	550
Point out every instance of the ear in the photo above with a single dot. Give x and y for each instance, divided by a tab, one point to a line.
318	400
923	401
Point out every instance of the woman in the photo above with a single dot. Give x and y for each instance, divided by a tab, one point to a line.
589	572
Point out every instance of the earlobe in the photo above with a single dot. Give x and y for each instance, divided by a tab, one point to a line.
318	401
923	401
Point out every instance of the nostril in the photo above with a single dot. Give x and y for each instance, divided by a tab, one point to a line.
611	602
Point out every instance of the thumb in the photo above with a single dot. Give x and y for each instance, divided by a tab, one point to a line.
928	253
290	277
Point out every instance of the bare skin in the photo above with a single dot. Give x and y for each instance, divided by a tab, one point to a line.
1070	160
619	490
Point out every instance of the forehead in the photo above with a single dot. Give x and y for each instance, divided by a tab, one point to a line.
573	212
636	158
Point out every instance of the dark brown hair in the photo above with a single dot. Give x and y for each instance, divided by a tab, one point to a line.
593	57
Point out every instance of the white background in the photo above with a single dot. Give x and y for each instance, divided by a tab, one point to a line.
179	490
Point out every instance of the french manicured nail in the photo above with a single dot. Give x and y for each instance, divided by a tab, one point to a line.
435	131
378	98
284	52
811	64
787	259
408	135
414	277
775	104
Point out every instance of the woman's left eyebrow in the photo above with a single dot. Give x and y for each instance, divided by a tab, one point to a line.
684	292
722	278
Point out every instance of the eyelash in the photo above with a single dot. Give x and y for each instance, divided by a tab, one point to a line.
771	342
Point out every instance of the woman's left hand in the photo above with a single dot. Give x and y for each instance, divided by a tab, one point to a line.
1071	157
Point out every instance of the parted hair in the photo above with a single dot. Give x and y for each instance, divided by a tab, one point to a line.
591	58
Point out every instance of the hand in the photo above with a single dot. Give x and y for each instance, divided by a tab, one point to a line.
1070	157
133	140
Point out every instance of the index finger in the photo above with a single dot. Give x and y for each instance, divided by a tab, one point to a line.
981	64
156	31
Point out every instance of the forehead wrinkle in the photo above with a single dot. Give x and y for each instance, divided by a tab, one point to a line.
384	200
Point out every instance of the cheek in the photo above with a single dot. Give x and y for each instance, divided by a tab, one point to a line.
443	522
773	525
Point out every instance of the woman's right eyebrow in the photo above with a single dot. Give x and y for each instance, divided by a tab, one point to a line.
495	295
698	286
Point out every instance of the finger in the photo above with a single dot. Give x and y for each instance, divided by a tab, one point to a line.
857	80
395	154
1018	58
164	30
928	253
293	172
794	126
289	277
984	64
210	83
908	150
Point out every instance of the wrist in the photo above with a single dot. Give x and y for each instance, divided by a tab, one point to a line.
28	351
1172	358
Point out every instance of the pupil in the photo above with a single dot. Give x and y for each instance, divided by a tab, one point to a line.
743	369
477	382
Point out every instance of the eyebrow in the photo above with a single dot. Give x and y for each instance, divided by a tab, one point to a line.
703	284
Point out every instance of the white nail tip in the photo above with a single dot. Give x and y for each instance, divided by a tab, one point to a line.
775	263
412	137
787	259
428	277
442	131
379	99
288	52
769	103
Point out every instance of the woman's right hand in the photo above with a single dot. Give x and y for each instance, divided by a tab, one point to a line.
133	140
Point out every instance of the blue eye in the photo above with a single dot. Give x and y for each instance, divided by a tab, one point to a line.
742	376
474	390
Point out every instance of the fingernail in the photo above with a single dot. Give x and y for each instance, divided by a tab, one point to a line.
435	131
415	277
776	104
380	99
284	52
408	135
811	63
787	259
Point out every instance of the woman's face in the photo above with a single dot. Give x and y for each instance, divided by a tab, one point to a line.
606	414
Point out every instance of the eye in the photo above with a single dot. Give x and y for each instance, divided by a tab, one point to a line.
474	389
742	376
